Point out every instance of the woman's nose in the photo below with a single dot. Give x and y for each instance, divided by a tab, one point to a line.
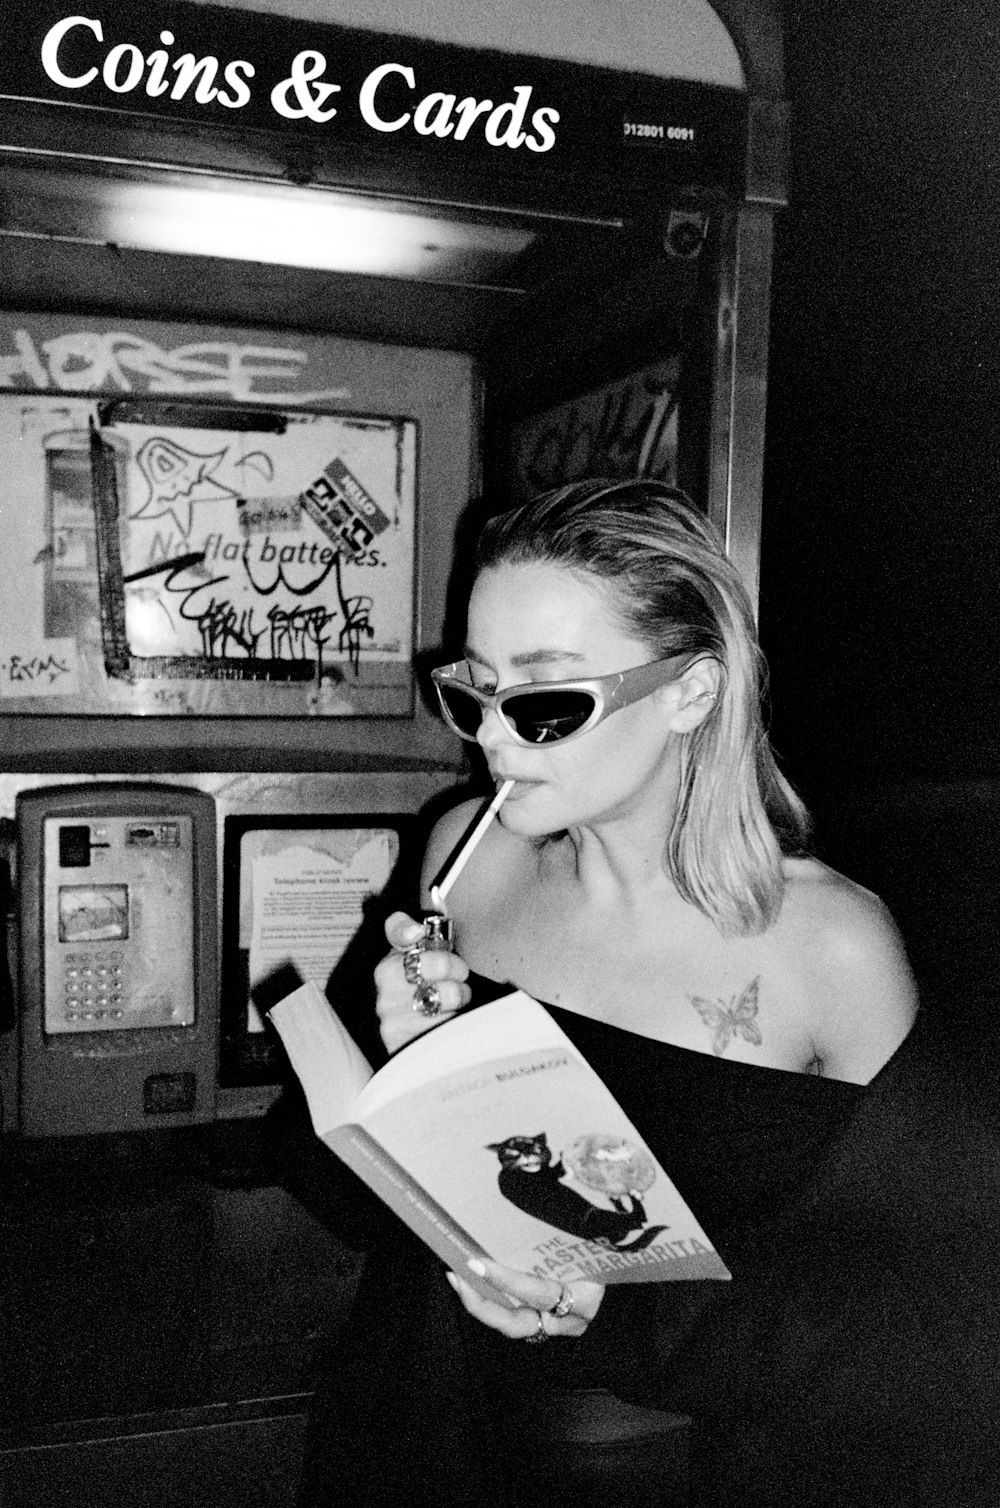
491	730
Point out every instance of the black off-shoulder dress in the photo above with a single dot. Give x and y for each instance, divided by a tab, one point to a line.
853	1359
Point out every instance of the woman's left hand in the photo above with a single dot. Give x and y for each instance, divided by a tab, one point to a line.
533	1306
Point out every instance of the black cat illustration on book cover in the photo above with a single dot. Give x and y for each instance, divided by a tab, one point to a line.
611	1166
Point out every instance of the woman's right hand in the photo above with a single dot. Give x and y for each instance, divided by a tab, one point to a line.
399	1022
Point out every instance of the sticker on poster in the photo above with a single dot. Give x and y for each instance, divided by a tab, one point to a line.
348	515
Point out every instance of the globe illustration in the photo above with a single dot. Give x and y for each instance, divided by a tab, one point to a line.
610	1164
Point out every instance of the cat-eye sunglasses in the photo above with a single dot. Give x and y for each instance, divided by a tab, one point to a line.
544	712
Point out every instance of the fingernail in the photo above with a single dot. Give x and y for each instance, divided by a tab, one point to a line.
474	1265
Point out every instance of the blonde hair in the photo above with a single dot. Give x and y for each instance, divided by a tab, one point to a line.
666	577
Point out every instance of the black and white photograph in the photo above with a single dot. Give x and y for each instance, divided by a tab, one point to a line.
499	769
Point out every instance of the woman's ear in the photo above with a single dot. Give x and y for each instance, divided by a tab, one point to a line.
696	694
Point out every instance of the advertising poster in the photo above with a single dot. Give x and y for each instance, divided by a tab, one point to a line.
173	557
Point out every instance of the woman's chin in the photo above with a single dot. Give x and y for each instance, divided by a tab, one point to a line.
522	812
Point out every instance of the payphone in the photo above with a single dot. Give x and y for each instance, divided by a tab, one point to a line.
118	958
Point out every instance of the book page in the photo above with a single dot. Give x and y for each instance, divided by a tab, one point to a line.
492	1031
328	1062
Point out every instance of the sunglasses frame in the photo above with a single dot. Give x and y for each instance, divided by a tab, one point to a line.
610	692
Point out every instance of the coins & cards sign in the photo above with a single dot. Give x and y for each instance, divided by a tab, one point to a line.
76	55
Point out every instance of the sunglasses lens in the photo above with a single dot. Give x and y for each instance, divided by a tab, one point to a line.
463	709
541	717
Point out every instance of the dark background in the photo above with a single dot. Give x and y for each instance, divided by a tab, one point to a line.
880	553
881	519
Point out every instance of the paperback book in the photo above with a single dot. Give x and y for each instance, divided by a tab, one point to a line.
490	1135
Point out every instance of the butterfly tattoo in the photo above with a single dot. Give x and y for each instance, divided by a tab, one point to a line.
738	1019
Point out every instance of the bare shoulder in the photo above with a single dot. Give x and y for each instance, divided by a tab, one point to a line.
837	914
854	966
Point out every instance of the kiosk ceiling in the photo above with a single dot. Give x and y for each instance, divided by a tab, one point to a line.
508	179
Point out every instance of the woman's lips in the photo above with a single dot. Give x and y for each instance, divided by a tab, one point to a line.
521	785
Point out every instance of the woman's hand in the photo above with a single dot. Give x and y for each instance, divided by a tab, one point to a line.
528	1308
399	1021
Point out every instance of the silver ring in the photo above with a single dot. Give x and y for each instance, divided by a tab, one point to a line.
411	964
537	1336
427	999
563	1304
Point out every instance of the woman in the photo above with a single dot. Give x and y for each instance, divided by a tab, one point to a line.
646	880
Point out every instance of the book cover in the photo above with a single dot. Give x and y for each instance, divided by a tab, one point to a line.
492	1136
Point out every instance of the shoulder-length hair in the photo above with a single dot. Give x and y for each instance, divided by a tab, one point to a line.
665	575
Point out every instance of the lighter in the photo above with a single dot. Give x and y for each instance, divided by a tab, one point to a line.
437	938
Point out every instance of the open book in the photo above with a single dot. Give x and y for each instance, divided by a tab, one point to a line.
491	1136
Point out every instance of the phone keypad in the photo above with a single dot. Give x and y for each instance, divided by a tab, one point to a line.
94	988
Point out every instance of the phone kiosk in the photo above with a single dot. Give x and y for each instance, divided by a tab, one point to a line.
294	292
406	267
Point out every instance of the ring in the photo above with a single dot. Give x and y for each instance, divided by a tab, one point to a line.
411	964
563	1304
537	1336
427	999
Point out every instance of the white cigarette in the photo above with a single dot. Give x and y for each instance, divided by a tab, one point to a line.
439	891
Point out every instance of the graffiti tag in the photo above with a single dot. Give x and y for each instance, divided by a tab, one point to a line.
45	668
86	361
628	429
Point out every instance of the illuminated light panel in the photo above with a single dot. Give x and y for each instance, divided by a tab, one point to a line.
266	223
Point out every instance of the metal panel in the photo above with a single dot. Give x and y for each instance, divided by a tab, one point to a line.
736	450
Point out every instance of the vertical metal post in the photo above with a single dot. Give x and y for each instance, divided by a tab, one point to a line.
739	387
